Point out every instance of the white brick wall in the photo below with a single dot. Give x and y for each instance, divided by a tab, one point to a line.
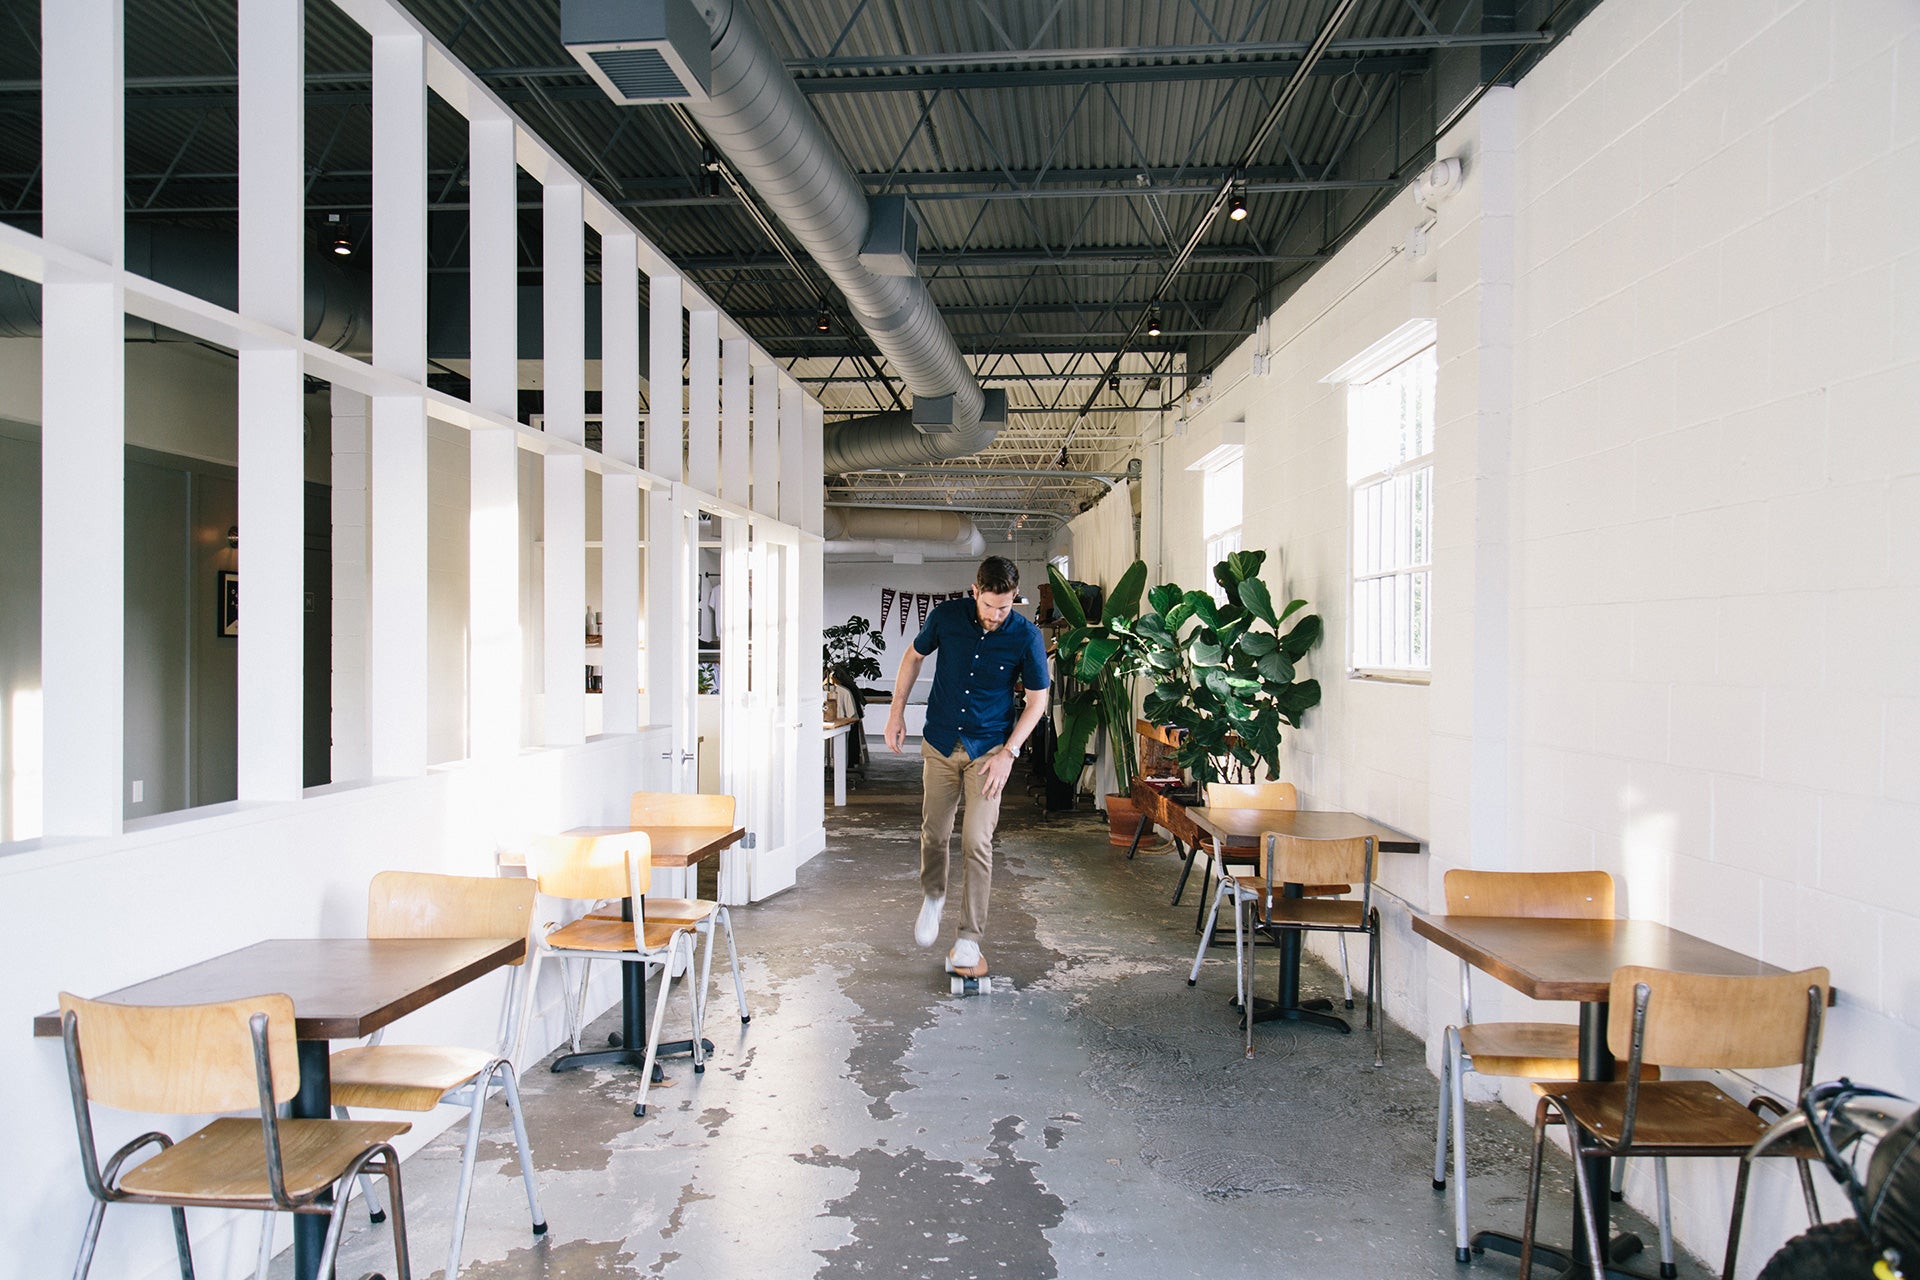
1708	518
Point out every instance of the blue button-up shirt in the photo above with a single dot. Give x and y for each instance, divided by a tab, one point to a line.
972	697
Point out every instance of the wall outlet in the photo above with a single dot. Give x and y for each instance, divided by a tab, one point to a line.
139	790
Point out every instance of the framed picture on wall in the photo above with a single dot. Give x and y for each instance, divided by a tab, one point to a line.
227	604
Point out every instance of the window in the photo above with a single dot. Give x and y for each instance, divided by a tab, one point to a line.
1220	500
1390	391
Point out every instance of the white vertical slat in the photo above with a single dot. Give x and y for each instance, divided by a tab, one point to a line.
703	400
620	494
666	421
272	505
737	768
83	441
794	489
735	417
397	683
493	481
813	509
352	642
765	448
669	624
563	363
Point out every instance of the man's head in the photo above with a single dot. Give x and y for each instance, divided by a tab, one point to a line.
994	586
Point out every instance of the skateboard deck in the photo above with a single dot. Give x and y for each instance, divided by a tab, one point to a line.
974	981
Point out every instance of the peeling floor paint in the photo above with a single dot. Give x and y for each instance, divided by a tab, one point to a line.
1097	1120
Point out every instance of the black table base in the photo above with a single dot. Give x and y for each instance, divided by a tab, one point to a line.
1553	1260
630	1042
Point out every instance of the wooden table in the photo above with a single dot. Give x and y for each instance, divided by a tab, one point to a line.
674	848
837	729
342	988
1574	960
1240	829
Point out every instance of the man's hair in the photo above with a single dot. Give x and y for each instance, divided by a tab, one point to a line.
997	575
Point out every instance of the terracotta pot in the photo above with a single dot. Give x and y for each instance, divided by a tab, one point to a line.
1123	819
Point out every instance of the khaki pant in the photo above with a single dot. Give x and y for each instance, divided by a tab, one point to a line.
944	780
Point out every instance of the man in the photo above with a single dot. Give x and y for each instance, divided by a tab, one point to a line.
971	740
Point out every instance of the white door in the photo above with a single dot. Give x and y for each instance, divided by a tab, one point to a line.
775	700
738	732
673	575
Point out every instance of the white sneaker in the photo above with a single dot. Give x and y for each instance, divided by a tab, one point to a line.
927	928
965	954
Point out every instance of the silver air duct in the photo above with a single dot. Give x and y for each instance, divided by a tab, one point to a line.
756	117
880	531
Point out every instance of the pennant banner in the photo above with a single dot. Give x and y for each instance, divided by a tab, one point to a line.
924	601
906	606
886	606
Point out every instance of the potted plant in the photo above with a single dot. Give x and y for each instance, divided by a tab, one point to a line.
851	651
1227	674
1101	655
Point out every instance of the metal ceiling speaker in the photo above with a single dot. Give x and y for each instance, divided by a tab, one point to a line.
640	51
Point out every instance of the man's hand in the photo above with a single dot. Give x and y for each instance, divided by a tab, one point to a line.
896	732
999	768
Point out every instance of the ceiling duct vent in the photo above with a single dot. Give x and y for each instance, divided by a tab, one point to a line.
892	247
640	51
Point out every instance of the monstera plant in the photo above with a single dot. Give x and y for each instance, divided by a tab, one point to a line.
1104	658
1225	673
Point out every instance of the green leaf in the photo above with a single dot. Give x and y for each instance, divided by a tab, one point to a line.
1203	607
1163	660
1218	682
1296	700
1067	601
1158	705
1275	667
1292	608
1257	644
1223	574
1079	717
1245	564
1202	652
1254	595
1094	658
1152	628
1305	634
1179	614
1163	597
1124	600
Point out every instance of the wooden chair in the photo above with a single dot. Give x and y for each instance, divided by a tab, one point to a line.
1700	1021
1315	863
1259	795
596	868
683	809
238	1055
1525	1050
402	904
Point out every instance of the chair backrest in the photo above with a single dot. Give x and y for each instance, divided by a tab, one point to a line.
419	904
1252	795
1558	895
1292	860
1711	1021
595	867
680	809
183	1060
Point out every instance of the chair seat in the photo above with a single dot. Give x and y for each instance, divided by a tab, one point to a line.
1675	1116
597	933
1313	913
226	1162
1540	1050
680	911
402	1077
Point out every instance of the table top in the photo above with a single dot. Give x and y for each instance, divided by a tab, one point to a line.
1574	959
675	847
1243	827
342	988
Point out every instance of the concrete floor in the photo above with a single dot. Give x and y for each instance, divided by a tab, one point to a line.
1100	1120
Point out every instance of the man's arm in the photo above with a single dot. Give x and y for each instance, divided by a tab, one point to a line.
910	663
1000	763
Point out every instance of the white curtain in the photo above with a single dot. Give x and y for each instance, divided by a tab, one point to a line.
1103	547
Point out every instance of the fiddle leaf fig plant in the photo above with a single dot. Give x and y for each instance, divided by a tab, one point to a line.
1104	657
851	651
1228	673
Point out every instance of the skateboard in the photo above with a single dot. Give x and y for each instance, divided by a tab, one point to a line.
974	981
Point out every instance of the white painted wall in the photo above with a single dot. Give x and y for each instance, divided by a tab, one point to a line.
1675	524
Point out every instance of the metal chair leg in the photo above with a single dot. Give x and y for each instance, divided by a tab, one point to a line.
1346	975
1531	1218
265	1257
733	959
1583	1197
375	1214
653	1033
1442	1110
510	1085
1376	998
1739	1212
180	1245
1206	936
1667	1268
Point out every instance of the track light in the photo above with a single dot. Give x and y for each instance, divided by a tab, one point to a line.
340	244
1237	207
823	323
710	169
1113	382
1153	322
